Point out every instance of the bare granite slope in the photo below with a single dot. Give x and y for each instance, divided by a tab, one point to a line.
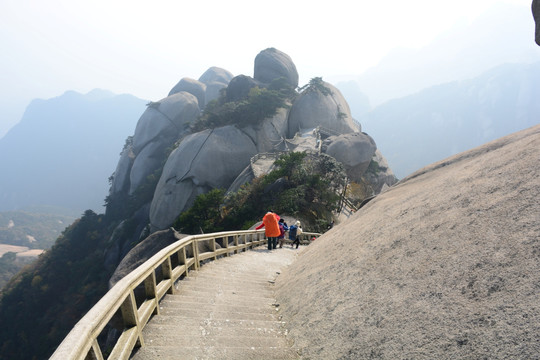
445	265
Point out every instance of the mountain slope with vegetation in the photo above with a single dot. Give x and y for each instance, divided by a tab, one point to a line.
179	159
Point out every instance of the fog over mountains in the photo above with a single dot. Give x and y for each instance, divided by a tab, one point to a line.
420	105
443	120
504	34
64	149
477	82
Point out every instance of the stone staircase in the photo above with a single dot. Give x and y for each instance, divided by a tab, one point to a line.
226	310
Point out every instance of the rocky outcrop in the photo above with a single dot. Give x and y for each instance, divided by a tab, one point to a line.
271	64
214	158
321	107
203	161
269	133
160	126
382	176
353	150
444	265
536	15
215	79
123	168
194	87
239	87
144	251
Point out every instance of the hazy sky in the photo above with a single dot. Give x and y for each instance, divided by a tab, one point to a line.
145	47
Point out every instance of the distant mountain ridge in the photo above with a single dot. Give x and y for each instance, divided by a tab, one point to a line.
501	35
444	120
64	148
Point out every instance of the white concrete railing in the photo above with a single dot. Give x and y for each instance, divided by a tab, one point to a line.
168	265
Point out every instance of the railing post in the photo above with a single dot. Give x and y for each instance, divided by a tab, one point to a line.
195	247
151	291
182	259
130	315
226	244
214	247
166	269
95	352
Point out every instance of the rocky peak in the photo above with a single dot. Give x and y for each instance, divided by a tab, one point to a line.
271	64
536	15
218	156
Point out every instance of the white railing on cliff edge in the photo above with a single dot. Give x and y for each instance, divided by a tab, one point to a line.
154	278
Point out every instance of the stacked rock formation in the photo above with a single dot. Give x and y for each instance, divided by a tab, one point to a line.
214	158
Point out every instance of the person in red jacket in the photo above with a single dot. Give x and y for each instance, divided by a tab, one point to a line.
270	223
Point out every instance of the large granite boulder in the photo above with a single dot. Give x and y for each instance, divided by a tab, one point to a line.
123	169
144	251
536	15
203	161
147	161
165	118
216	74
210	159
327	109
160	126
192	86
268	134
271	64
444	265
239	87
382	177
215	79
353	150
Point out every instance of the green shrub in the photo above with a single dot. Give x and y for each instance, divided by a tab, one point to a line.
261	103
310	189
316	84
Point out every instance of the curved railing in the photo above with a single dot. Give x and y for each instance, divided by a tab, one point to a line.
135	298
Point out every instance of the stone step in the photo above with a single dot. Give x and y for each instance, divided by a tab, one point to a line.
178	320
197	353
226	280
239	308
265	286
233	294
252	273
219	291
207	329
225	310
216	314
208	339
195	297
222	300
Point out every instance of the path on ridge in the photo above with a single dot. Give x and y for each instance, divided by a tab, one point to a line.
226	310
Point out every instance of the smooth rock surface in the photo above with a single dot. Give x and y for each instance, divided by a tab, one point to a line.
192	86
313	108
444	265
353	150
203	161
536	15
271	64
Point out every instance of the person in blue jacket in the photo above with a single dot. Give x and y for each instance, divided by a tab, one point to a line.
294	233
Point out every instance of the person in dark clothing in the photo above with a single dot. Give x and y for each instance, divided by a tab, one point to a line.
294	233
282	228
